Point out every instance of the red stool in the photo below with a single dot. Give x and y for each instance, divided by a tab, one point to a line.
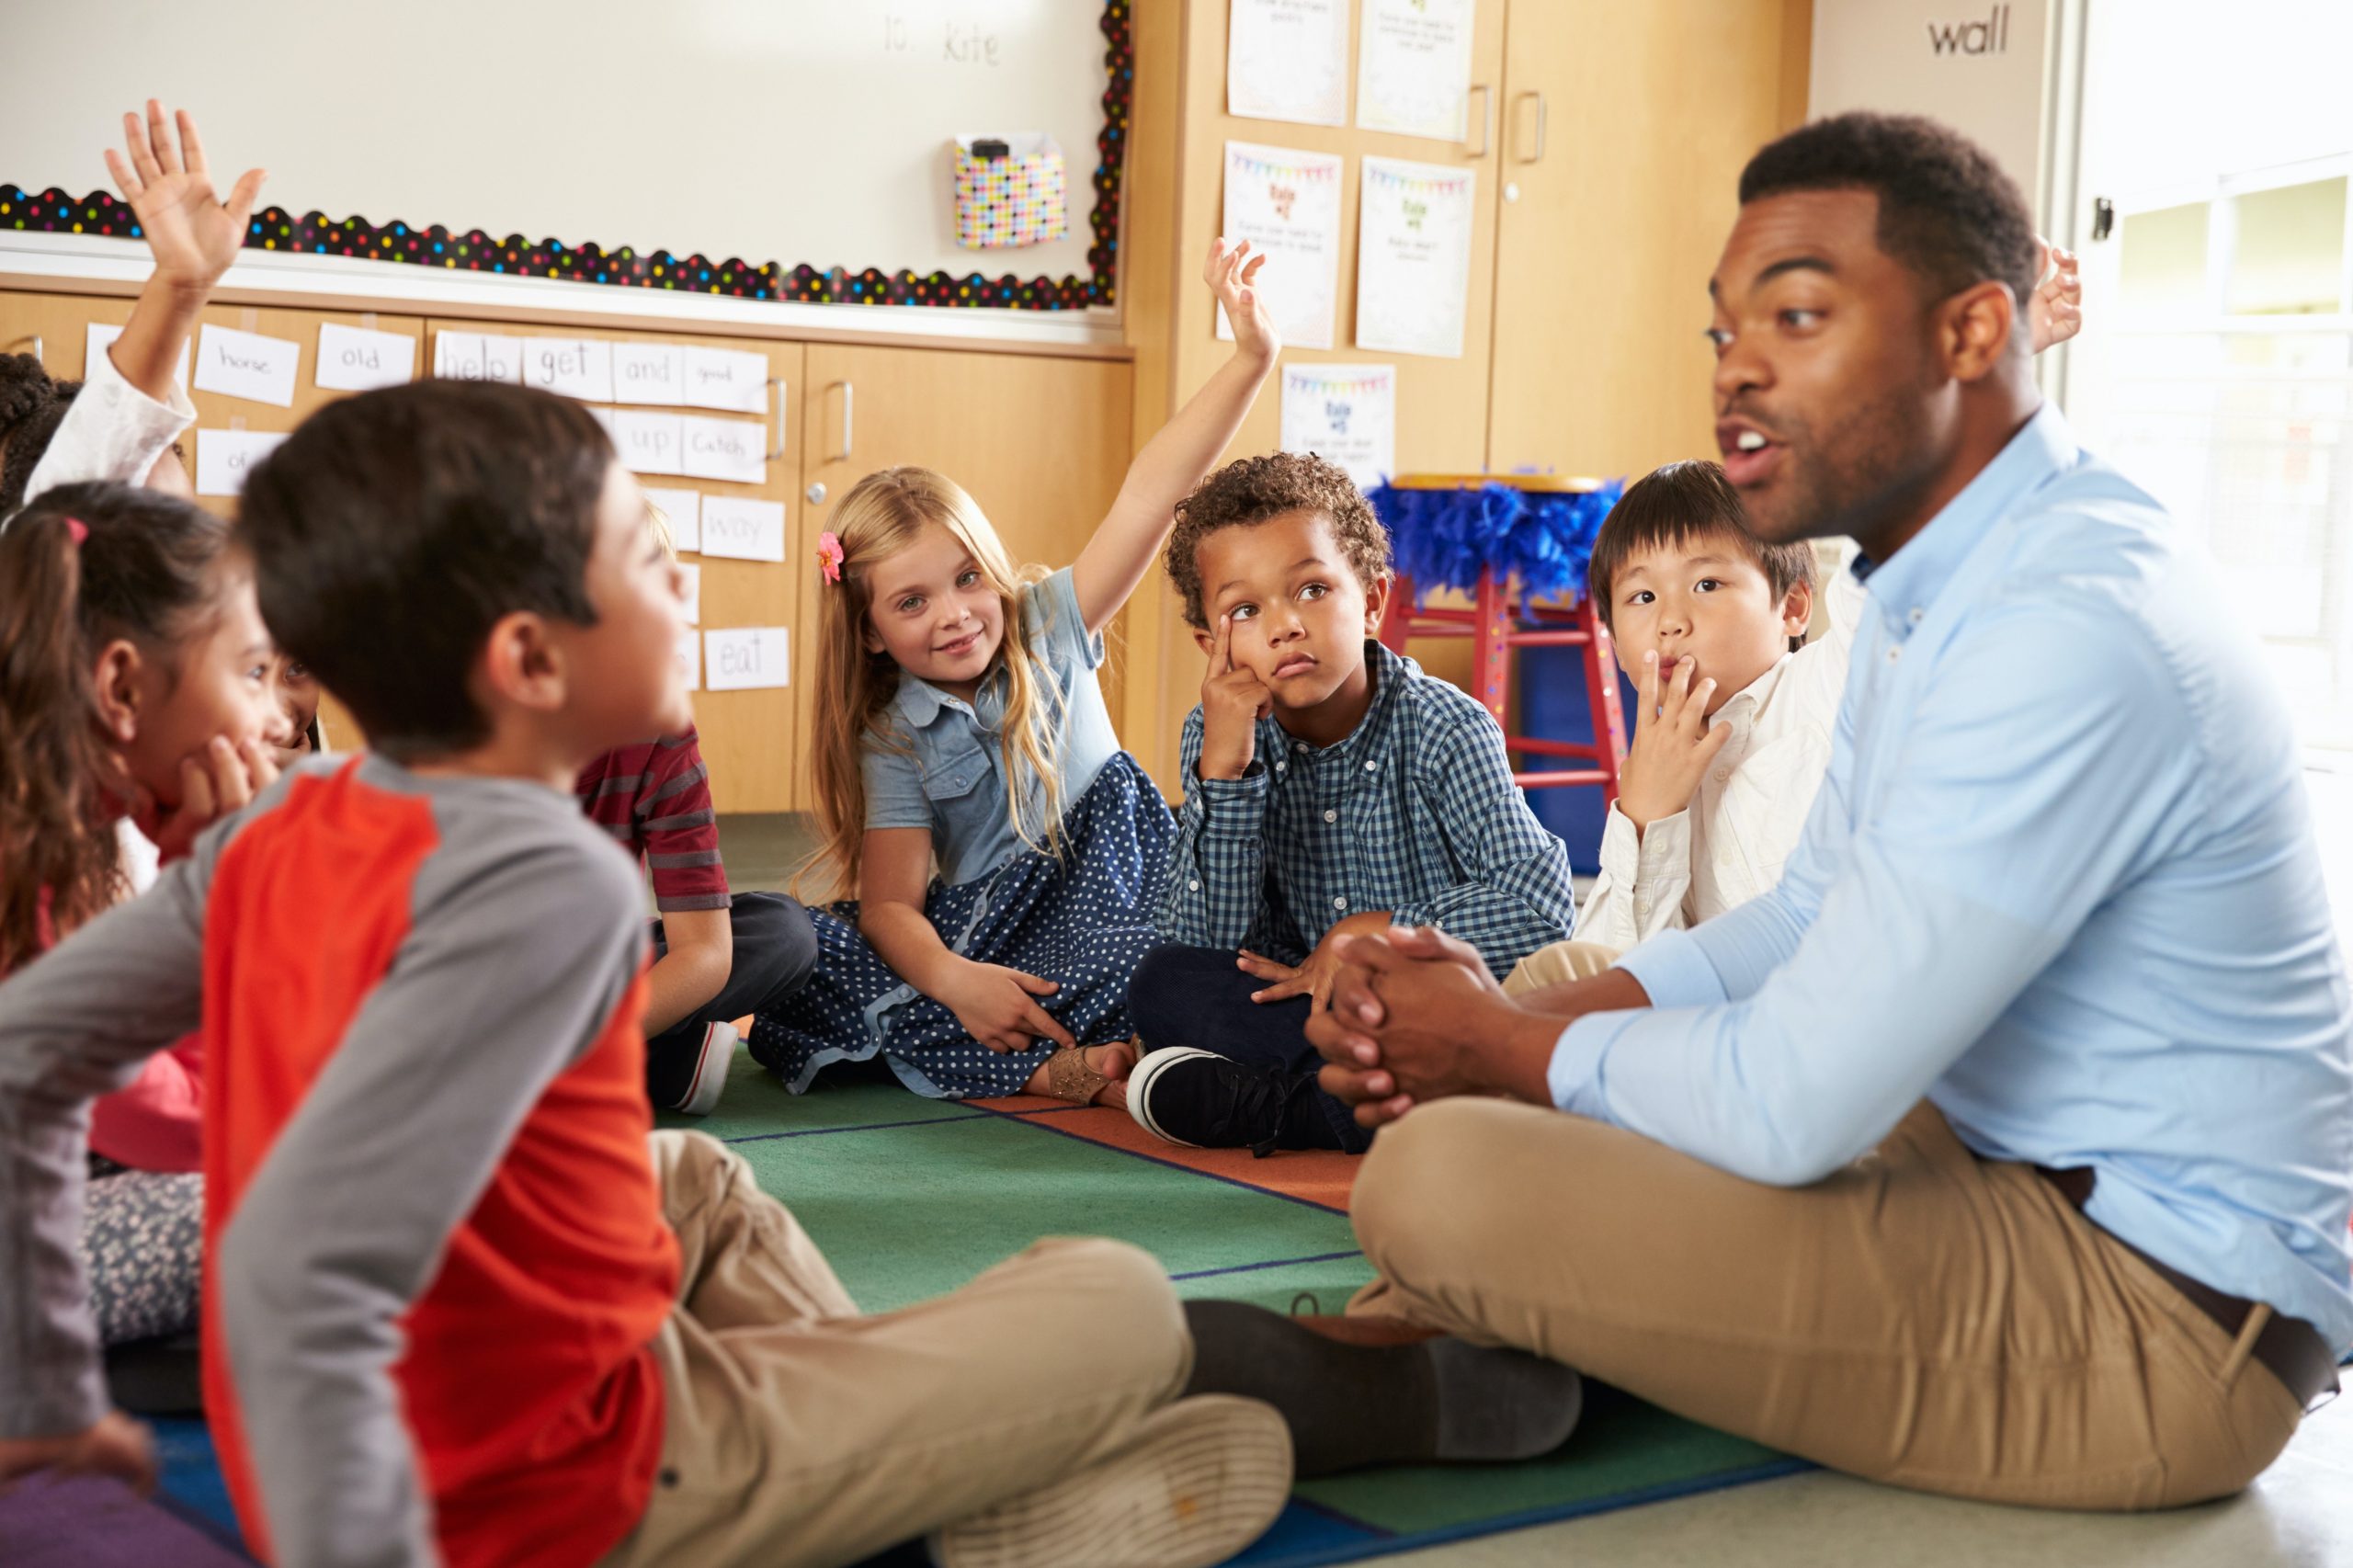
1500	621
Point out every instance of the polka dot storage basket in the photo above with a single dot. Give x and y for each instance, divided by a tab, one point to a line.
1009	191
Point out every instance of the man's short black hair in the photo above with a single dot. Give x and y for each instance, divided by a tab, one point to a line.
1946	209
394	530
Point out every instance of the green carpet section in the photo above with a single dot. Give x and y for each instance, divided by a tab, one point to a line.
1622	1445
757	1105
907	1213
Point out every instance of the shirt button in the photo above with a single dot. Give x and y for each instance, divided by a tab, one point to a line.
1894	655
1282	768
1339	904
1917	614
1331	816
1367	767
1722	773
1195	884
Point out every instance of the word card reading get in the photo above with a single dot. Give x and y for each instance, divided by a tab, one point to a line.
224	457
477	357
101	337
742	530
649	372
727	377
572	366
353	358
648	443
747	658
684	508
690	658
247	365
726	449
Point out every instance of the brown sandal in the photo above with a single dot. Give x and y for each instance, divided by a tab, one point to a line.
1070	1076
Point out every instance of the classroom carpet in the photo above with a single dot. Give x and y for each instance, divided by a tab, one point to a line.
911	1198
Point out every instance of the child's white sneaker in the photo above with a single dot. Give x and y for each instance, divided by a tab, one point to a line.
710	1078
1200	1480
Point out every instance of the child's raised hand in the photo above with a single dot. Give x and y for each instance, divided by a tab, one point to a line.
1673	745
221	779
997	1007
1233	701
1232	272
193	234
2056	312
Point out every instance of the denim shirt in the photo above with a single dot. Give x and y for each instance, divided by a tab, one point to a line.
934	759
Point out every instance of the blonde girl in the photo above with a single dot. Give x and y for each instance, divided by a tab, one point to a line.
960	728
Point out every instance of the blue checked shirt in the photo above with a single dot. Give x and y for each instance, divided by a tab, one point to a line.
2061	881
1414	813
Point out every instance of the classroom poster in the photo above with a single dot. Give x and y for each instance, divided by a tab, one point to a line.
1288	60
1287	204
1414	256
1414	67
1344	414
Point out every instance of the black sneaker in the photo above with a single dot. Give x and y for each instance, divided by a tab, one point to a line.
690	1081
1202	1100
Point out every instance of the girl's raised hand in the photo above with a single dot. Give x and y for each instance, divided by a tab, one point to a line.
1232	272
193	234
2056	312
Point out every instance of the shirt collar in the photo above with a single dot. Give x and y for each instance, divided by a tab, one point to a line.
1906	584
1390	674
1750	699
918	703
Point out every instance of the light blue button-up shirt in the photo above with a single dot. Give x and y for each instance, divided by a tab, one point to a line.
2061	879
941	763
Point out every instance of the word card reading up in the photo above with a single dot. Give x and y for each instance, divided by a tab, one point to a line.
648	443
747	658
224	457
247	365
742	530
353	358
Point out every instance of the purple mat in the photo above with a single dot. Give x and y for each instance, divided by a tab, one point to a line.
89	1521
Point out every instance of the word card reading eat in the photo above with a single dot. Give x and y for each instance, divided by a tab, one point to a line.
247	365
742	530
747	658
572	367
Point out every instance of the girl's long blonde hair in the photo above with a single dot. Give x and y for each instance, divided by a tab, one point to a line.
881	517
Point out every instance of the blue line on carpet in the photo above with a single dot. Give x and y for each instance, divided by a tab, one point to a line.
1174	1165
1270	1263
972	1115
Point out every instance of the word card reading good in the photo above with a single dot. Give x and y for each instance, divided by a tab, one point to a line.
648	443
690	658
649	372
747	658
726	449
690	593
572	367
101	337
353	358
742	530
684	508
727	377
477	357
247	365
224	457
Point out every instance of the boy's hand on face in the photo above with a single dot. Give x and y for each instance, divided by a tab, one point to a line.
1673	745
1233	701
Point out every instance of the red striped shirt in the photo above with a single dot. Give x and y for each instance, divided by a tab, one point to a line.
655	796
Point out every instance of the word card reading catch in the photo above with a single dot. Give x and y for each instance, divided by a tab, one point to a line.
353	358
224	457
247	365
747	658
742	530
732	449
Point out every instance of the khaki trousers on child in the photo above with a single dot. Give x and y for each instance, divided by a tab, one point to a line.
1923	1317
1557	965
801	1432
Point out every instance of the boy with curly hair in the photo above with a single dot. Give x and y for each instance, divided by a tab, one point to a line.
1330	788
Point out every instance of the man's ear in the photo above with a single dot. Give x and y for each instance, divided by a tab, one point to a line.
522	667
1797	609
1376	605
1975	328
117	680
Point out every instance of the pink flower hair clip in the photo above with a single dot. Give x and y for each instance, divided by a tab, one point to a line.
829	555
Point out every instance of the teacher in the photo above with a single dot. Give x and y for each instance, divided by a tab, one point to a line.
2003	1150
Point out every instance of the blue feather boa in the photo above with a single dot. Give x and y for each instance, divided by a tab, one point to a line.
1443	537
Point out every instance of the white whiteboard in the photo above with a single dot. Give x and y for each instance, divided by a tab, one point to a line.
795	131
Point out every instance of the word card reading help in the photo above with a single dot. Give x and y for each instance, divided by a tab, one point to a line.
742	530
747	658
354	358
247	365
477	357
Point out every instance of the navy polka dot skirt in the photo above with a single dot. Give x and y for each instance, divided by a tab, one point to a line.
1085	921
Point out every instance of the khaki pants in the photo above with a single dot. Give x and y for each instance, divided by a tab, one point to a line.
1923	1317
801	1432
1557	965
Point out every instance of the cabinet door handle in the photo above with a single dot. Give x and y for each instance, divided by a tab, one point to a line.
1486	121
1537	156
778	383
849	414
